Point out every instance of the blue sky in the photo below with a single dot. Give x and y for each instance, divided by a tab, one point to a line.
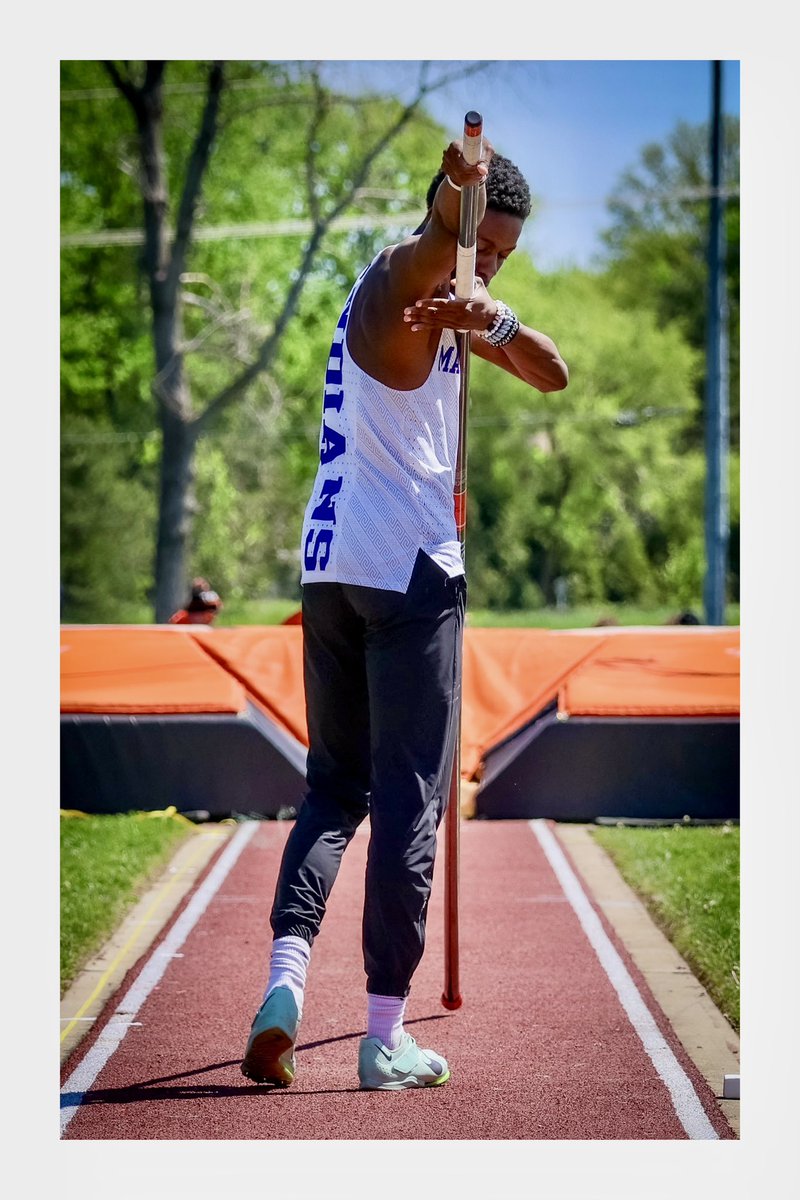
572	127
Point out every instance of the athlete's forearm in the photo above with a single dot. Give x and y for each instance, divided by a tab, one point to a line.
423	261
530	355
446	208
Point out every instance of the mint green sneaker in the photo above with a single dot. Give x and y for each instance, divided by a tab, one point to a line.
381	1069
269	1057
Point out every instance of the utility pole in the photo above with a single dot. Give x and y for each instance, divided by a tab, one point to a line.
717	420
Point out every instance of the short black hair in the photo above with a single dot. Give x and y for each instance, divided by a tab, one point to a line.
506	188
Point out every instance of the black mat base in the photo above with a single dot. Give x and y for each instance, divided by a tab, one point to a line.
586	768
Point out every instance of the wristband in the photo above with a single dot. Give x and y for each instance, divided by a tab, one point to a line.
503	328
457	186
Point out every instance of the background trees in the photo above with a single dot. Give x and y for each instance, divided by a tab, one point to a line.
601	484
657	239
587	484
217	321
657	246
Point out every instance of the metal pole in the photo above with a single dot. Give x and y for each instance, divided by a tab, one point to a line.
717	420
465	282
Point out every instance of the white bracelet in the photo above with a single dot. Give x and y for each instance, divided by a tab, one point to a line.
503	328
457	186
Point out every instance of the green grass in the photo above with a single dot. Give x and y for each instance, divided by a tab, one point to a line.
273	611
106	864
586	616
256	612
688	879
234	612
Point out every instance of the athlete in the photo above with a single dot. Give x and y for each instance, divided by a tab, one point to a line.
383	604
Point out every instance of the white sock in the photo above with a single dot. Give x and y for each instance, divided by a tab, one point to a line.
385	1019
288	964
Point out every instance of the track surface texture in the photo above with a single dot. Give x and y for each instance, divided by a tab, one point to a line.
542	1047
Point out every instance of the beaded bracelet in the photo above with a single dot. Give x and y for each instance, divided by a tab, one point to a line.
503	328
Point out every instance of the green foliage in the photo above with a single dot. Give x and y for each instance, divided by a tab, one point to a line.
688	877
257	612
589	484
252	476
107	521
586	616
657	243
601	485
105	863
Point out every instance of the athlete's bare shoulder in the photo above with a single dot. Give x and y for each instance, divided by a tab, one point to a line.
380	341
378	338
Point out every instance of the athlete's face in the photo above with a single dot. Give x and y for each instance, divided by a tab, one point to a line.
498	234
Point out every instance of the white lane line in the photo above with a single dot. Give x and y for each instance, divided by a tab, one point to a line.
685	1100
90	1067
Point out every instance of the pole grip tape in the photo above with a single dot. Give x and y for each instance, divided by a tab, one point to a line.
465	271
465	252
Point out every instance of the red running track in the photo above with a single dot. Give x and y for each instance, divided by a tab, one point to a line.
542	1047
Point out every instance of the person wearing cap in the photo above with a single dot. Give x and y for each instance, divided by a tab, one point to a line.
201	607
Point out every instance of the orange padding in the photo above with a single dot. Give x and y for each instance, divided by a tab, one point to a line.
268	660
510	675
669	672
143	669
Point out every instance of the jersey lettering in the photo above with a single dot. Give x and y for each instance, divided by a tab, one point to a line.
333	375
333	400
376	501
325	510
317	557
448	360
332	445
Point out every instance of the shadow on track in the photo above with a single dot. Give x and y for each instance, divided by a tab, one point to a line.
149	1089
348	1037
137	1093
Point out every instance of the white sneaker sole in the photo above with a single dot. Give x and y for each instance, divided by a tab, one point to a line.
401	1085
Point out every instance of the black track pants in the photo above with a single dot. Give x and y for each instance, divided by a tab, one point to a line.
381	671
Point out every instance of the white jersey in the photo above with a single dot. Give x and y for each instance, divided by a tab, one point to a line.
384	487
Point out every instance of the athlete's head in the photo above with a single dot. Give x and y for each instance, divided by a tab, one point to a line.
507	190
508	203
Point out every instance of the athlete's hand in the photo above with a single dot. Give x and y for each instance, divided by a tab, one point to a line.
449	313
460	171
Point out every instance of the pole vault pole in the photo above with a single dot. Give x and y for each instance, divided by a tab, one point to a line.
465	282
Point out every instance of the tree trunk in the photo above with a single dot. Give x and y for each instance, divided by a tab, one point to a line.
175	514
547	576
181	427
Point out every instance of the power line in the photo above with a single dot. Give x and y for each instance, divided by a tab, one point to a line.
253	229
302	226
